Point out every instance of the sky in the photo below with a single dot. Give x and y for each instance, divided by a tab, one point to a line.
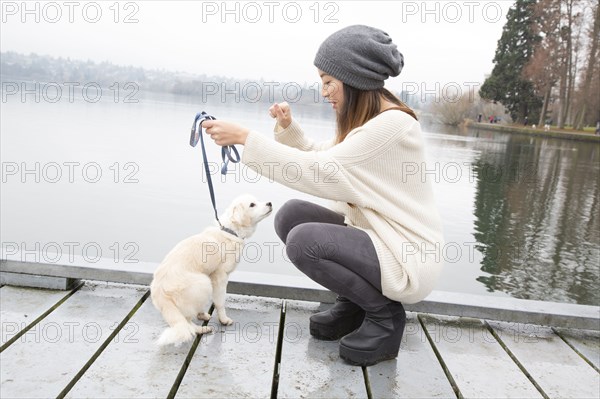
444	43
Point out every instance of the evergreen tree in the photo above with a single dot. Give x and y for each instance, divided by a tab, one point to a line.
506	84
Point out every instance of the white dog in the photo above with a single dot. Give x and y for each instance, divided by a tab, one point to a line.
546	127
198	268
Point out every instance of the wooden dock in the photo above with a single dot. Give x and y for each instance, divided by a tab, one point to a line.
97	341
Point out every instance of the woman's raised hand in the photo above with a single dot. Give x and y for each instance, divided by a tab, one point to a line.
283	114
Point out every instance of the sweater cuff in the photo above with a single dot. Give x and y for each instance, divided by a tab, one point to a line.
291	134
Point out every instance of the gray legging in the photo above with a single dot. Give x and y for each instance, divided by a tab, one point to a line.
339	257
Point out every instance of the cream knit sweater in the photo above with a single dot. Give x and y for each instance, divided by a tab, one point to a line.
376	179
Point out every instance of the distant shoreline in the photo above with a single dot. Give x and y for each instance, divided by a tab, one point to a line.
539	132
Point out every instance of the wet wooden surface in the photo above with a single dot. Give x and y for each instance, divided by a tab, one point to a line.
100	342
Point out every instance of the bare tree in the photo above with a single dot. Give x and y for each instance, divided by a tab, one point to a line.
578	46
594	34
544	66
454	110
566	59
542	72
556	59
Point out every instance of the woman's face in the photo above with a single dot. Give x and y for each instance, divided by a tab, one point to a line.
332	90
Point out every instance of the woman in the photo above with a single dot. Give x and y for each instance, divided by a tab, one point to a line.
379	244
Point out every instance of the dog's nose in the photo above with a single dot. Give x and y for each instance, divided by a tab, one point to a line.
269	205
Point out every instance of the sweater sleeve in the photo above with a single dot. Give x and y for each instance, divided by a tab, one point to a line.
329	174
293	136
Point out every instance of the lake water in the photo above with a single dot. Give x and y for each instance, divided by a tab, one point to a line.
119	180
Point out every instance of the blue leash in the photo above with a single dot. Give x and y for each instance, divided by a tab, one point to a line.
225	155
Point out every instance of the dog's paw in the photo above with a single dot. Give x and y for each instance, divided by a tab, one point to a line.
226	321
204	330
203	316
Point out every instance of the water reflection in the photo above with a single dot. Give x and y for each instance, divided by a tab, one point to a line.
536	218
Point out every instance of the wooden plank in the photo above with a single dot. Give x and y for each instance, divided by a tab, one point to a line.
557	369
54	350
416	373
311	368
20	306
300	287
587	342
133	366
477	362
238	360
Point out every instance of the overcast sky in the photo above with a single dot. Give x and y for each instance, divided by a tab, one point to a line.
442	41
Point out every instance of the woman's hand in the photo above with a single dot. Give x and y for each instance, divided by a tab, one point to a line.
225	133
283	114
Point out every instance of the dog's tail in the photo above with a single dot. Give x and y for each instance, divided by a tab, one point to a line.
177	335
181	330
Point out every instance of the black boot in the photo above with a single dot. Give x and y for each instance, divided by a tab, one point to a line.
377	339
343	318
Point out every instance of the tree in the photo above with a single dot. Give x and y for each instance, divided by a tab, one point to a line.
453	112
543	67
567	64
506	84
559	54
594	34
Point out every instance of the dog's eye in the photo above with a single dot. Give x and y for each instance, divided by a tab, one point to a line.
252	204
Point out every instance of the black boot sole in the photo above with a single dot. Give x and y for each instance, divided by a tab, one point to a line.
361	358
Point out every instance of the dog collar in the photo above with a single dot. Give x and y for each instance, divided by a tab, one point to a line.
228	230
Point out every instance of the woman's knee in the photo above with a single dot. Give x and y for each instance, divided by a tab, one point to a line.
287	217
307	245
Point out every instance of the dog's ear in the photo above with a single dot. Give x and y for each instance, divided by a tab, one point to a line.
239	216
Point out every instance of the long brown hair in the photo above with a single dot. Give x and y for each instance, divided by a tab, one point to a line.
360	106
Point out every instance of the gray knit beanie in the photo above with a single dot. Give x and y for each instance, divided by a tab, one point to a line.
360	56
